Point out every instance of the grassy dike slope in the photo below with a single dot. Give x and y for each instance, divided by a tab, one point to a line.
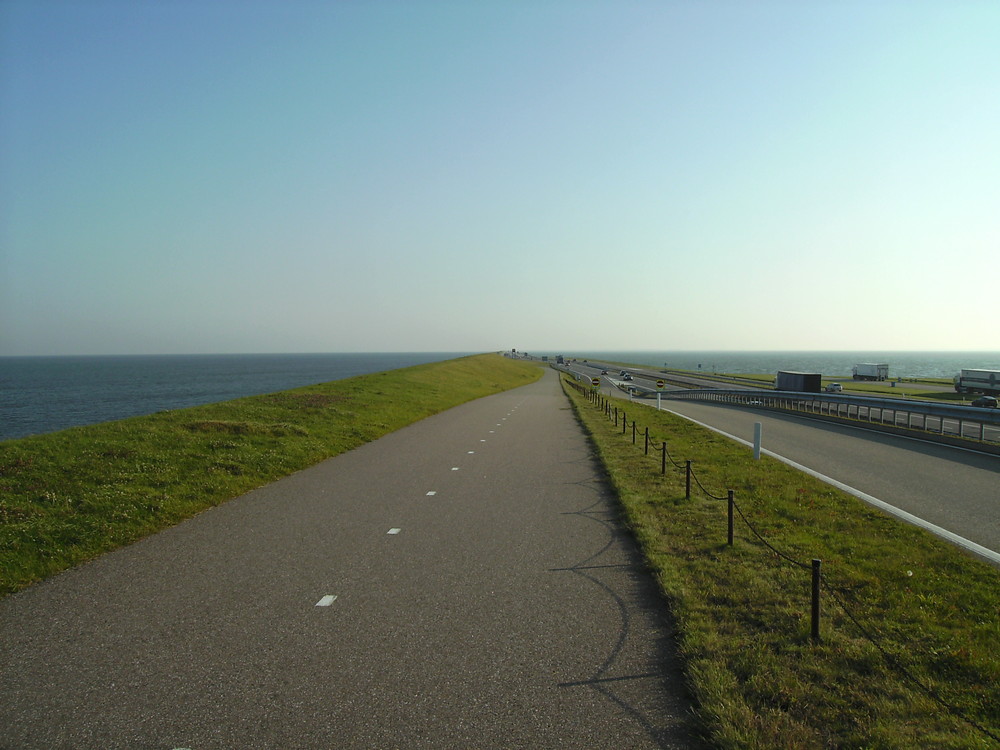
743	612
69	496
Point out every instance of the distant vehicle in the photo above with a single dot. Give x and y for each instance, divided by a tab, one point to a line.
978	381
989	402
560	360
834	388
627	376
805	382
604	372
870	371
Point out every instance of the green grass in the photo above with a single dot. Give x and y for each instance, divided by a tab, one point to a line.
69	496
743	612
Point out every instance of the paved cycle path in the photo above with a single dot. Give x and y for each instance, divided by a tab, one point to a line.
461	583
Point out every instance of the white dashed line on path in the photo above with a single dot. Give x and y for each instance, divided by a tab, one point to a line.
327	600
393	531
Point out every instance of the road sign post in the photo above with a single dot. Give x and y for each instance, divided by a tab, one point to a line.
659	388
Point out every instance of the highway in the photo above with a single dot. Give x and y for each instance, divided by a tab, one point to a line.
955	489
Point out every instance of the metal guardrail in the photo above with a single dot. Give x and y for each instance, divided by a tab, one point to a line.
968	422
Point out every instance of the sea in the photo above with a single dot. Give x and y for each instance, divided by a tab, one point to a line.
46	394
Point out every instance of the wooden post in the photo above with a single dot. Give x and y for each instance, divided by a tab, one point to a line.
815	600
731	504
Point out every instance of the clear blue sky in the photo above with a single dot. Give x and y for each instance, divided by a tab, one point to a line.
185	177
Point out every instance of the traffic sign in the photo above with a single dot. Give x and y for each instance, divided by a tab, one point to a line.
596	382
659	383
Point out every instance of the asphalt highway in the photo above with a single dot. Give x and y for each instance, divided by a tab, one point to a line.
461	583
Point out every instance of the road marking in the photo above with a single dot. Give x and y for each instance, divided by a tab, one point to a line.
483	440
327	600
471	452
393	531
431	493
454	468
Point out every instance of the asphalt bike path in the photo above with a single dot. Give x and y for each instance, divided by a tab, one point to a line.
460	583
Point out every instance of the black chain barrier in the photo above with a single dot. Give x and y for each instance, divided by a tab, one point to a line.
818	577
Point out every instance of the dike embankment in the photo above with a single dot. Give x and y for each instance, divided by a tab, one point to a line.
69	496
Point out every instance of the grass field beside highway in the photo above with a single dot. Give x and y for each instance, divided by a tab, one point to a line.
69	496
909	654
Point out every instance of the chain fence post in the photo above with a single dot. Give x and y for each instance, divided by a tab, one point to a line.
633	432
687	480
647	442
731	504
663	459
815	600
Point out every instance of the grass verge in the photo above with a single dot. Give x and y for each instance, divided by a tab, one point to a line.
908	655
69	496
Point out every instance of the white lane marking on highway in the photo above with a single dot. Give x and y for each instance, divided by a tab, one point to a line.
327	600
393	531
454	468
431	493
483	440
952	537
492	431
471	452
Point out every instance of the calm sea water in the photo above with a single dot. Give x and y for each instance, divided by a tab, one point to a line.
836	364
44	394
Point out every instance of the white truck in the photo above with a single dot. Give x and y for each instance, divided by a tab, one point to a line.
871	371
978	381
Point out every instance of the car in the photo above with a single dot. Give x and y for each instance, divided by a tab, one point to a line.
627	376
604	372
834	388
988	402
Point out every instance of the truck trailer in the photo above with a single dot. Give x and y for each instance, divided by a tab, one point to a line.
978	381
871	371
805	382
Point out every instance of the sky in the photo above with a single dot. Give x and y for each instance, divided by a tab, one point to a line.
220	176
